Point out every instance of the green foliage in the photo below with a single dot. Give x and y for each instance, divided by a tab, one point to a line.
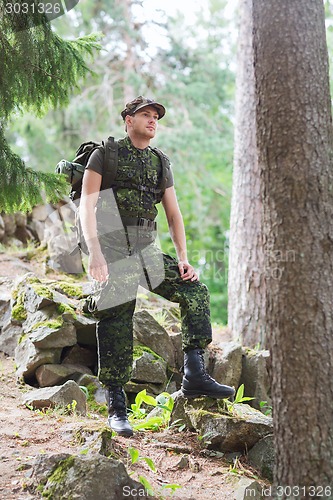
39	71
163	404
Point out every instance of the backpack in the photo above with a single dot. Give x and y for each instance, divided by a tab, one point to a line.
74	171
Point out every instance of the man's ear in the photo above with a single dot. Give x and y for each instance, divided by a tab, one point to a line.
128	121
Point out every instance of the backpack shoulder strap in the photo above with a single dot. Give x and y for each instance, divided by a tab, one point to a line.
165	169
110	165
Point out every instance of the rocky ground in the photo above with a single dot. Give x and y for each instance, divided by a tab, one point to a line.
24	434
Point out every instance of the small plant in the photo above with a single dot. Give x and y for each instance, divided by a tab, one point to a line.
239	398
163	402
205	438
266	408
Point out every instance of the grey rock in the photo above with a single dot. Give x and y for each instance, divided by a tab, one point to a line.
149	332
9	337
57	396
35	300
248	488
41	212
38	229
28	358
176	339
262	457
2	228
255	376
48	337
135	388
223	432
49	375
42	316
60	247
227	363
80	355
103	478
148	368
9	223
95	440
231	433
21	219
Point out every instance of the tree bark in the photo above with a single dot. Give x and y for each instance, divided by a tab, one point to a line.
294	138
246	297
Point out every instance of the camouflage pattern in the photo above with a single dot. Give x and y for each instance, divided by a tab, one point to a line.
134	259
137	168
115	324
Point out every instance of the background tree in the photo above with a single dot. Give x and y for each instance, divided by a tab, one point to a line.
39	70
294	138
246	297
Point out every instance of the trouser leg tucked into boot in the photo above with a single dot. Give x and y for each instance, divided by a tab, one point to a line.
197	382
118	420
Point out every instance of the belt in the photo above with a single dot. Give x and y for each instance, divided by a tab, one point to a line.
142	223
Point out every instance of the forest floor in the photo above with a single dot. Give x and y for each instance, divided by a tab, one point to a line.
24	434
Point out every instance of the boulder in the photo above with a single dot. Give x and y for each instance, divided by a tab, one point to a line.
9	223
79	355
148	367
52	335
21	219
238	430
248	488
227	363
41	212
255	376
57	396
49	375
60	476
10	334
150	333
262	457
28	358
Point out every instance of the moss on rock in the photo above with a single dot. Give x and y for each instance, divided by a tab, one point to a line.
50	489
19	312
138	351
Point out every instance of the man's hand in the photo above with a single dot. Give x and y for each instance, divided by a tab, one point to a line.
97	266
187	271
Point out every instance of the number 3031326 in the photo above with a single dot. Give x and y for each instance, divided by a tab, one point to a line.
33	8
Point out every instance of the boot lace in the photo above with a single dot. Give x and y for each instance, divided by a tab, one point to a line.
118	401
205	375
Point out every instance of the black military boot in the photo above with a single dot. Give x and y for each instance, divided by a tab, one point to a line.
118	420
197	382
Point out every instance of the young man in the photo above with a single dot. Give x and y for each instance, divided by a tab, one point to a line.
122	255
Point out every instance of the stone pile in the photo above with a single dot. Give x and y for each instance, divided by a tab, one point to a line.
48	225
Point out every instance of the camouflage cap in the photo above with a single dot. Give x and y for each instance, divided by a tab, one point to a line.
142	102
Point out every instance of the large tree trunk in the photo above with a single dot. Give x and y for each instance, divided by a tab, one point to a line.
246	306
294	136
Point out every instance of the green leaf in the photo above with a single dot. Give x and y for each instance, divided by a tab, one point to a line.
149	400
150	463
146	484
239	394
134	454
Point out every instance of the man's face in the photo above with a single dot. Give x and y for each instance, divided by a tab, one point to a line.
144	123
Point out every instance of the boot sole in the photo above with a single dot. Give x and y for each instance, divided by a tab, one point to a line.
195	394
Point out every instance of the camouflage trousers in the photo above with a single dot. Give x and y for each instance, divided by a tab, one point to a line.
113	305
